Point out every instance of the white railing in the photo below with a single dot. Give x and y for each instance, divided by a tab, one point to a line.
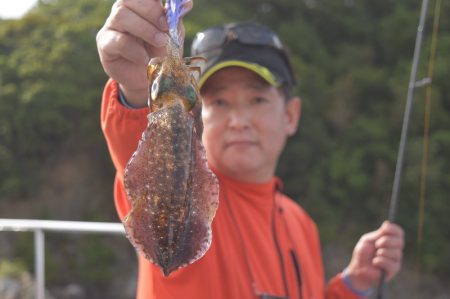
39	227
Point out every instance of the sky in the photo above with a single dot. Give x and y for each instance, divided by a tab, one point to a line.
13	9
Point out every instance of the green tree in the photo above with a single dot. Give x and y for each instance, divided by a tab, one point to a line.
352	60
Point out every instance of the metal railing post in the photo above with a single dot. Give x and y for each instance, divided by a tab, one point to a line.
39	227
39	262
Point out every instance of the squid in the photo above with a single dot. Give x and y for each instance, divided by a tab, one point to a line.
173	193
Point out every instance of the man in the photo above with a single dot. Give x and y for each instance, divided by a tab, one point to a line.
264	245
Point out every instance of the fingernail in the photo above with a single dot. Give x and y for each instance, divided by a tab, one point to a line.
163	23
160	39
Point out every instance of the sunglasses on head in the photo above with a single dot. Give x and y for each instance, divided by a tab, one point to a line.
245	33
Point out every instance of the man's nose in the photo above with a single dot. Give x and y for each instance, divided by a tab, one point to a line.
239	119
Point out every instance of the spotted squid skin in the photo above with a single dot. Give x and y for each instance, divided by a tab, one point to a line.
174	194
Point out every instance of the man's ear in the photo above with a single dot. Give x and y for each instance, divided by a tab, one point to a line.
293	113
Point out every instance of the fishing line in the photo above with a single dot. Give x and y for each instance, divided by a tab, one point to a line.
426	134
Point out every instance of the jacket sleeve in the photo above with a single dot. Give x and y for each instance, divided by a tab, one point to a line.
336	289
308	245
122	128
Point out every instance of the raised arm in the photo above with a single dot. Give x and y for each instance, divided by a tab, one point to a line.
134	32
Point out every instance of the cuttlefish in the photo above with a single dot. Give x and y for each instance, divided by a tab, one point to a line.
173	193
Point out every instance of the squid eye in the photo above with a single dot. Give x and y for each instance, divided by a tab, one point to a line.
191	96
155	88
166	83
161	85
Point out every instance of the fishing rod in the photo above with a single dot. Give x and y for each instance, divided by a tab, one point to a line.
407	116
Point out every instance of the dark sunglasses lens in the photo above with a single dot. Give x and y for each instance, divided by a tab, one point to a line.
249	34
208	40
258	36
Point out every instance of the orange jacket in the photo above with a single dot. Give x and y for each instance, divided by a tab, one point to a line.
263	242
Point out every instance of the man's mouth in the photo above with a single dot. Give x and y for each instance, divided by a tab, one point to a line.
240	143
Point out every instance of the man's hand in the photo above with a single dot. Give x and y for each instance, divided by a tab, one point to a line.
377	251
135	32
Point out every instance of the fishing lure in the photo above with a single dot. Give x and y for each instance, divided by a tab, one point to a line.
174	195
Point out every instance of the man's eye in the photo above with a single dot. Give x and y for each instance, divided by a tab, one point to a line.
219	103
259	100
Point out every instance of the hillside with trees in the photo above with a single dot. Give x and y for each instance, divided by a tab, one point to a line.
352	60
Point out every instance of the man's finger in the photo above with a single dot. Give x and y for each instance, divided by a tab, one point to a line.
388	266
149	10
187	6
390	228
389	242
117	44
389	254
125	20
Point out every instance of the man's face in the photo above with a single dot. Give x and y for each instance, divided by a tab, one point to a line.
246	122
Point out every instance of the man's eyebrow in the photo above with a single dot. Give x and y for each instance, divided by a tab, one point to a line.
258	86
214	89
